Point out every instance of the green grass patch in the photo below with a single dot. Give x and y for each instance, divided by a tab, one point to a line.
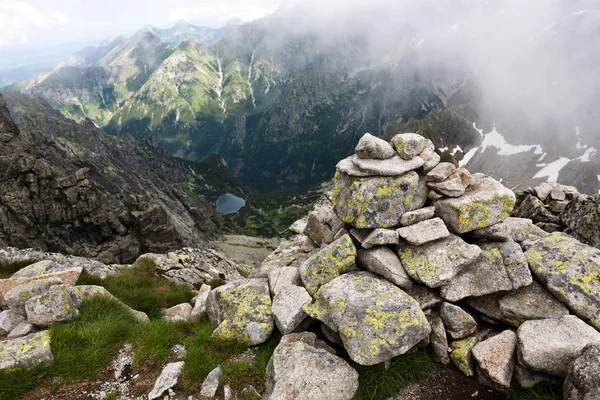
81	348
153	342
376	382
8	268
215	282
142	289
540	393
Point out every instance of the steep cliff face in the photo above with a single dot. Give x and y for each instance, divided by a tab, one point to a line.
70	188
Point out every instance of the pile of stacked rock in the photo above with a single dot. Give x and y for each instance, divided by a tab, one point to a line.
411	253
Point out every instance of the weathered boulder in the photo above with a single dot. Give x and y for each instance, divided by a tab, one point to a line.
431	158
283	277
426	297
531	302
160	262
318	226
287	308
408	145
370	146
27	352
550	345
370	238
424	232
200	303
69	276
241	311
438	339
358	167
516	229
486	202
529	379
85	292
382	261
413	217
441	172
16	297
23	329
582	217
299	226
376	202
583	379
289	253
570	270
337	258
453	186
168	378
501	266
376	320
199	266
533	208
44	268
58	304
9	320
180	312
457	321
211	383
301	368
436	263
461	352
496	359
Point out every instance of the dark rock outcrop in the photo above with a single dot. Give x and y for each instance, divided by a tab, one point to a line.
70	188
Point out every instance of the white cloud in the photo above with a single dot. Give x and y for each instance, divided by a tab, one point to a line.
224	11
20	22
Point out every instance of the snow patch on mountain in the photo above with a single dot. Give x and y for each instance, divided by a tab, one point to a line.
552	170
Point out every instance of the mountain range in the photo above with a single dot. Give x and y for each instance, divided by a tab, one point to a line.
282	98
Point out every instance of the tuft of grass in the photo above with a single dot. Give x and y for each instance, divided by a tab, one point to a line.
111	396
376	382
152	343
8	268
540	393
81	348
215	282
142	289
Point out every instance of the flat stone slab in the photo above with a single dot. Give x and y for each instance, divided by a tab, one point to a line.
424	232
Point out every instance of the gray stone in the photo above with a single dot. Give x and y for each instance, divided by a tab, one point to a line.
461	352
531	302
24	328
395	166
336	259
289	253
27	352
441	172
486	202
438	340
211	383
496	359
436	263
583	379
424	232
241	311
161	262
301	369
317	226
431	158
180	312
283	277
529	379
557	194
426	297
168	378
370	146
58	304
534	209
455	185
360	306
200	303
202	265
569	270
543	190
41	268
582	217
550	345
501	266
298	226
9	320
16	297
516	229
457	321
287	308
558	207
382	261
408	145
380	237
413	217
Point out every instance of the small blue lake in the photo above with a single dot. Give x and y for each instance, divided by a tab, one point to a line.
229	204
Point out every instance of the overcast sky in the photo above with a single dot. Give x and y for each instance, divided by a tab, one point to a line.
35	23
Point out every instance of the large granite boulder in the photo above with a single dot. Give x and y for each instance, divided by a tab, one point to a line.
570	270
550	345
424	232
583	379
302	368
287	308
9	320
198	266
376	320
582	217
289	253
501	266
486	202
337	258
16	297
408	145
457	321
58	304
516	229
27	352
382	261
241	311
370	146
378	201
534	209
496	359
436	263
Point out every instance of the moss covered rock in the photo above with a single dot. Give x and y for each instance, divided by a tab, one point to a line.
241	311
377	201
461	353
58	304
570	270
330	262
486	202
582	217
27	352
375	319
16	297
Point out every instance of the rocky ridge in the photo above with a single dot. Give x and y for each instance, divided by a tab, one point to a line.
391	263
